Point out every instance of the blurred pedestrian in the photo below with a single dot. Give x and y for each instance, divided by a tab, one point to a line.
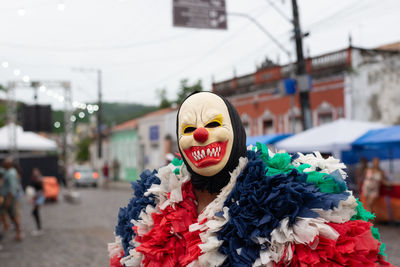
116	167
360	173
106	173
10	191
37	200
374	178
1	201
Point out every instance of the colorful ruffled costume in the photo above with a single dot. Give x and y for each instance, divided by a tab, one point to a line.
276	210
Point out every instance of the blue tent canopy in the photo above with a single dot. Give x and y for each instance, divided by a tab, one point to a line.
266	139
383	143
379	138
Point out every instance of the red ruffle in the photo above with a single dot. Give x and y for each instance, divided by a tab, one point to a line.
115	261
355	247
169	242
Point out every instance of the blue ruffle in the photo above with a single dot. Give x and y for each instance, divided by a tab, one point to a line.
138	203
258	203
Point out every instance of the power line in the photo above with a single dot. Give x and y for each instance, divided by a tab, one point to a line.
350	9
280	12
203	57
97	48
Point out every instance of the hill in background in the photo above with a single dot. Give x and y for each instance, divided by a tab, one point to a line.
113	113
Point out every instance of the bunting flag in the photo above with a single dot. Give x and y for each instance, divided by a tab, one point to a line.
277	210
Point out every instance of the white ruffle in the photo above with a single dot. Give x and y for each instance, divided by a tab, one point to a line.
170	183
303	231
343	213
115	247
316	160
134	259
210	242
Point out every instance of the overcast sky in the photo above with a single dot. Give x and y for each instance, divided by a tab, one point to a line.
138	50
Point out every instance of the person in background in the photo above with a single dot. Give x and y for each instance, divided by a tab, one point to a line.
360	173
106	173
116	169
10	189
37	200
1	202
374	178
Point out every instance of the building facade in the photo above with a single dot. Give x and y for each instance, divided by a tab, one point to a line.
124	146
344	83
157	137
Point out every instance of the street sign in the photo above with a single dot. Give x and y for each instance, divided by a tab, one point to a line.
203	14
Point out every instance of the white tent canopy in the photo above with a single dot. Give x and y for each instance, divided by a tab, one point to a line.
28	141
332	137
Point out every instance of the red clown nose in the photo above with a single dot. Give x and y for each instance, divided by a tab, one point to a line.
200	135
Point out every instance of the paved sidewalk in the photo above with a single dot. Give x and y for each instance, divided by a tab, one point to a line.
74	234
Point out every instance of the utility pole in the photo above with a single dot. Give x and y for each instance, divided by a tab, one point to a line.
303	83
99	103
99	115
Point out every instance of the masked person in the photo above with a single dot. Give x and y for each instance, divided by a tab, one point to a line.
224	204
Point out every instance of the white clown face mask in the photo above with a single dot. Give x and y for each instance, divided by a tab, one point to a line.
205	133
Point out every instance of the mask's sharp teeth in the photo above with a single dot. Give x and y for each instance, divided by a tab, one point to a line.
219	149
208	152
213	152
203	153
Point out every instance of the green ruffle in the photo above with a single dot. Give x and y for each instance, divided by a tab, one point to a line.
178	164
281	163
377	236
362	214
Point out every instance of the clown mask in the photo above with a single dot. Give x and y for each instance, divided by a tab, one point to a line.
205	133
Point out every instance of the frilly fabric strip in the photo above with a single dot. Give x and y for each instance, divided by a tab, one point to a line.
277	210
136	205
355	246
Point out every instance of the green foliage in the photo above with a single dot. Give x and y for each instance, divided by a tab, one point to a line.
82	154
57	115
3	114
162	95
115	113
186	89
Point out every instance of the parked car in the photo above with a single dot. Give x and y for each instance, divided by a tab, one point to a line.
85	176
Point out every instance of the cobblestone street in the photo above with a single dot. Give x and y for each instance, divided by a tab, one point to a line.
74	234
77	234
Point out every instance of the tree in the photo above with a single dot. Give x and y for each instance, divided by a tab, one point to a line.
82	154
186	89
162	95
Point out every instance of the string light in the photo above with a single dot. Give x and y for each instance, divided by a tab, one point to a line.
42	88
57	124
81	115
22	12
73	118
17	72
26	78
61	6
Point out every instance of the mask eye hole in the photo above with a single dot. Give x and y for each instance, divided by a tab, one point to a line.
213	124
189	130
